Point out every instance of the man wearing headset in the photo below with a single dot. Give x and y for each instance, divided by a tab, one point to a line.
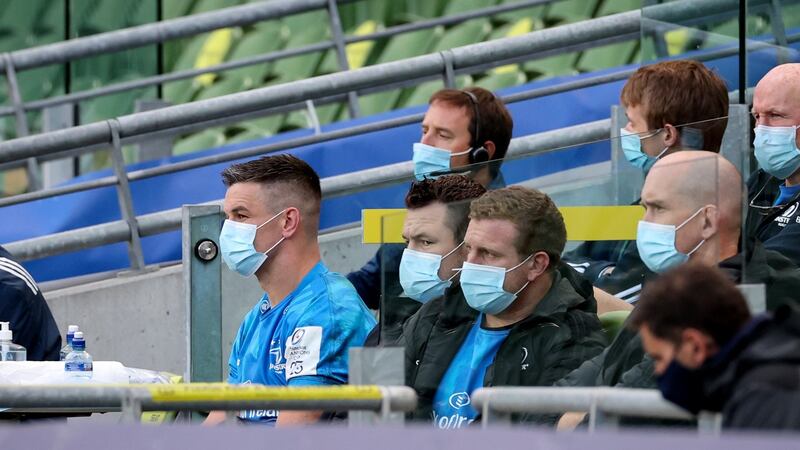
462	131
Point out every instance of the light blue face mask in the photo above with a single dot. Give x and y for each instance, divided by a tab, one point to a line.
483	287
656	245
419	274
237	244
429	160
631	144
776	150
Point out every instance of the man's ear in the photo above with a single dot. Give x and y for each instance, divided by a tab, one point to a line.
710	217
490	148
698	347
671	135
537	265
291	222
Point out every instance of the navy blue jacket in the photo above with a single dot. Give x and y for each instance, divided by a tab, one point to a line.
24	307
777	227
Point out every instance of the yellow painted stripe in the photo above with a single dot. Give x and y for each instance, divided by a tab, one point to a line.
584	223
214	50
221	391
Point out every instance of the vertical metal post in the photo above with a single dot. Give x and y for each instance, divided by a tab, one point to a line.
135	253
341	54
627	183
492	418
449	73
778	30
381	366
709	423
58	171
202	281
736	149
154	148
21	121
313	119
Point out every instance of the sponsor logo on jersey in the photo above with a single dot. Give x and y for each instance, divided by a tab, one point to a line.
276	360
303	352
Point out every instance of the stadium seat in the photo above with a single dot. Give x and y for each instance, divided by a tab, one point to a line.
612	323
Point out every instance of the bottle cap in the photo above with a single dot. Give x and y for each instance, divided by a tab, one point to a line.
72	329
5	332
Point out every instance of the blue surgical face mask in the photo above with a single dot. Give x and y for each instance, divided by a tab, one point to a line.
776	150
483	287
237	244
656	245
631	144
419	274
430	160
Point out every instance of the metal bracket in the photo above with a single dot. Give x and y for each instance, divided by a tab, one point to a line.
135	253
131	408
34	180
202	281
341	54
449	72
313	119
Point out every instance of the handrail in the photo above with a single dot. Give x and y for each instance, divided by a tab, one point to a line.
605	405
132	399
339	83
350	183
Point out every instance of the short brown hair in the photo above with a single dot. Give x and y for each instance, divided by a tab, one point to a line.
539	223
681	92
292	172
495	124
692	295
454	191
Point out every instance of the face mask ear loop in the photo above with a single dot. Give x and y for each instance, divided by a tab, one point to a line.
523	262
662	153
271	218
690	218
457	270
276	244
461	153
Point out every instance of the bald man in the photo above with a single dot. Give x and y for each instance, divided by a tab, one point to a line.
692	202
774	189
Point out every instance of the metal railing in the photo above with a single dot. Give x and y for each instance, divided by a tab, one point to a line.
235	106
605	405
134	399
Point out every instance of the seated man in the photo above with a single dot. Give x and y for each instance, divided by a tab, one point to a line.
460	128
516	316
697	195
299	332
24	307
658	99
709	355
434	231
774	189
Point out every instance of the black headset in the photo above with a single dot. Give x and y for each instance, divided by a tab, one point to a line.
478	154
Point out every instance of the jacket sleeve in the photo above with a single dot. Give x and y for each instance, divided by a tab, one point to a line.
786	241
761	407
31	321
367	281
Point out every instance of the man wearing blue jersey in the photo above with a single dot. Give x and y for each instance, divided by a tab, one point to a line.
299	332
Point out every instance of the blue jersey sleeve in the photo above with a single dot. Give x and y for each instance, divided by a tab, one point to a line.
318	344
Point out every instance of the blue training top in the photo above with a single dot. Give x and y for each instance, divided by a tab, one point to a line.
452	406
302	341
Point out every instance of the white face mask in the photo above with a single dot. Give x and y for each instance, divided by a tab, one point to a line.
482	286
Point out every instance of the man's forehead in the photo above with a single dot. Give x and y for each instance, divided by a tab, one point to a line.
249	196
441	112
419	219
491	233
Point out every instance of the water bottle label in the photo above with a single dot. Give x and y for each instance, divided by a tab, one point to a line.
76	366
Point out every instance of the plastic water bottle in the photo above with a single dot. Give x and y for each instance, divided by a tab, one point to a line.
65	350
10	351
78	363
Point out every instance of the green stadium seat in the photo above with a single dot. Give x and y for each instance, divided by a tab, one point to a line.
257	42
503	79
202	6
569	11
609	56
198	141
612	323
183	91
399	47
462	6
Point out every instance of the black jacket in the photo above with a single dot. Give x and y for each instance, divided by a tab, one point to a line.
777	227
562	332
755	378
624	364
24	307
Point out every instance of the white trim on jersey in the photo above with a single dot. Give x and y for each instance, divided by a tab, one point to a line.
18	271
629	292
